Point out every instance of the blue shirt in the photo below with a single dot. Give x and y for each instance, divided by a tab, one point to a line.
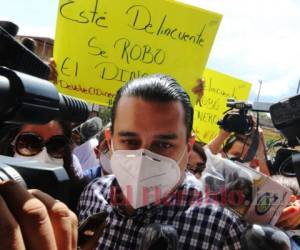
92	173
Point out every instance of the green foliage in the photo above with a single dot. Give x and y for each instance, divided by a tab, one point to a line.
104	114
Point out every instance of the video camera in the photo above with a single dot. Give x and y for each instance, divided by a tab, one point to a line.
285	117
239	122
16	56
25	98
28	99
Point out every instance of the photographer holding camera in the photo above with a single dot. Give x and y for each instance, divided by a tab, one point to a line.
236	148
244	129
32	219
239	144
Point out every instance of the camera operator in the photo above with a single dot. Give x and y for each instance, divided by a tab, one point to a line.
290	217
48	143
31	219
236	146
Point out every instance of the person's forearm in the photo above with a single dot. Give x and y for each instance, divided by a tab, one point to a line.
262	156
263	167
216	144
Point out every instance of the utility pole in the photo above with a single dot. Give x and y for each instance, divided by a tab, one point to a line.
298	87
258	94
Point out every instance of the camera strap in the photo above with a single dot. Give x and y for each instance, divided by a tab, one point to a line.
252	148
253	145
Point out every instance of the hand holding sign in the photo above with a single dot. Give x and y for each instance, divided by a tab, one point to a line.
199	90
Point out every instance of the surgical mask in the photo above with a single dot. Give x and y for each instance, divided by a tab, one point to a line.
43	157
144	177
105	162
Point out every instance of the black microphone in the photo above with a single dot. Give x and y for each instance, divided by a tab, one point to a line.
28	99
262	237
159	237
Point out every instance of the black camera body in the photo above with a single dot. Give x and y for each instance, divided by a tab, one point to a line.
31	174
16	56
240	122
28	99
285	116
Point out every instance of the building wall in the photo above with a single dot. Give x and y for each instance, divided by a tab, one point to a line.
44	46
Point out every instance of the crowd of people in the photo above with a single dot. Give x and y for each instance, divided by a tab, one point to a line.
139	182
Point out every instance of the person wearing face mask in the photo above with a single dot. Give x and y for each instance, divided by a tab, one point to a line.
236	148
104	157
102	153
150	140
88	132
46	143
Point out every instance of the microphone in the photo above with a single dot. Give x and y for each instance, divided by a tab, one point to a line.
159	237
262	237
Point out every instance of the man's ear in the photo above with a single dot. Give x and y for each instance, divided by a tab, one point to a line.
191	142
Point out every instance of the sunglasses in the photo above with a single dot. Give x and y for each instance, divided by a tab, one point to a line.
30	144
196	169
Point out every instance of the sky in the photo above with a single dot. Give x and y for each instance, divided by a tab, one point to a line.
258	40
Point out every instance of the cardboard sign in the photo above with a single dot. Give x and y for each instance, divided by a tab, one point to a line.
269	201
100	45
252	195
218	88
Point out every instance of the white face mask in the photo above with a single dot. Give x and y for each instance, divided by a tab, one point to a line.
144	177
105	162
43	157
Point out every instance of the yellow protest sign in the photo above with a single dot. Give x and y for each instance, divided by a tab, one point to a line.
101	44
218	88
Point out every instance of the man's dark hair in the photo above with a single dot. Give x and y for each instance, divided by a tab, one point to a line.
197	147
157	88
